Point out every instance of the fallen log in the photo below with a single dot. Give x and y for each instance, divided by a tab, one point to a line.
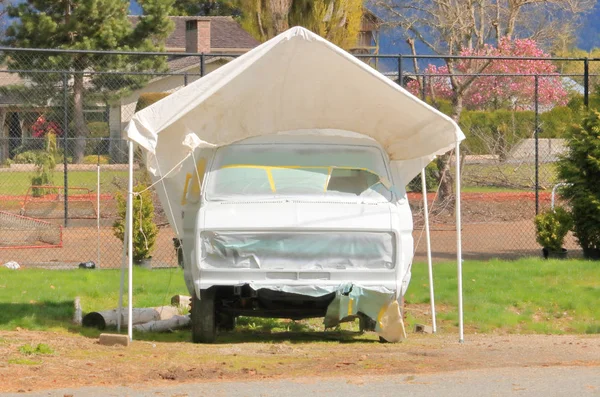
108	318
173	323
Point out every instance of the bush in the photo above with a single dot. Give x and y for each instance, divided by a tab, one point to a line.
99	138
27	157
495	132
552	227
93	159
148	98
431	180
581	168
45	162
144	228
556	123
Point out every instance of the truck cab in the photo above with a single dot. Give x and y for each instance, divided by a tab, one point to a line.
282	225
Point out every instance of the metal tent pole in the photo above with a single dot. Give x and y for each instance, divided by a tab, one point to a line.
461	332
123	266
428	236
98	214
122	283
130	243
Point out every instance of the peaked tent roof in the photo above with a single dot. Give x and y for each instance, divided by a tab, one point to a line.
297	80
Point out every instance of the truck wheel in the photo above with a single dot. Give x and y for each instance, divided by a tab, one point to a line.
204	326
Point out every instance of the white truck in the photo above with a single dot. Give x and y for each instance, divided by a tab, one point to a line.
280	225
281	209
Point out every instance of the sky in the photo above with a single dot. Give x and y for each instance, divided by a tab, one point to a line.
588	38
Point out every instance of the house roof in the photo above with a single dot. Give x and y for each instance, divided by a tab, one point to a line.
225	33
181	63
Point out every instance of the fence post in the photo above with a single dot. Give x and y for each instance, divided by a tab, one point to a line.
185	79
202	65
400	71
65	142
586	82
537	154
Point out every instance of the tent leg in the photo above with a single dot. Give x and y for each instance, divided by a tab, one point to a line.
98	216
123	266
429	261
130	243
459	248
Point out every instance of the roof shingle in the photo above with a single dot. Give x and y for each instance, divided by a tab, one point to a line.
225	32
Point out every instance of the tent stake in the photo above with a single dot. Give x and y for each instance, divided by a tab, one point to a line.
429	262
461	333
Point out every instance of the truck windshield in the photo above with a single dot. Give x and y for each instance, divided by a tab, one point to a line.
299	170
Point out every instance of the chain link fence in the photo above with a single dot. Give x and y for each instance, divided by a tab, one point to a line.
63	157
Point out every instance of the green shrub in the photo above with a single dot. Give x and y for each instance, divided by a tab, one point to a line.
552	227
431	180
581	168
497	131
98	129
556	122
45	162
98	142
144	228
148	98
93	159
27	157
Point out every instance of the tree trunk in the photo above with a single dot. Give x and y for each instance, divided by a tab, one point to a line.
280	10
280	23
446	190
81	131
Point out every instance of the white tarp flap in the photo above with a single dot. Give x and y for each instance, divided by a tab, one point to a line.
294	81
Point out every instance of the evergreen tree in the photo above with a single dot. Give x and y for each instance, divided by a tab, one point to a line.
580	167
86	25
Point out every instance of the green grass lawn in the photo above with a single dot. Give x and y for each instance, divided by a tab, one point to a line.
528	295
43	299
477	178
17	183
524	296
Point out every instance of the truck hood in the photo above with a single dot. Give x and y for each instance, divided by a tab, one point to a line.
286	215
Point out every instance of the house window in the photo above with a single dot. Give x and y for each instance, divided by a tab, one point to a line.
191	25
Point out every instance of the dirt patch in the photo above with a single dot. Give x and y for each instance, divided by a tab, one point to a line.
80	361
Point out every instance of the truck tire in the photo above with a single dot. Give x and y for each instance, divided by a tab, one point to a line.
204	324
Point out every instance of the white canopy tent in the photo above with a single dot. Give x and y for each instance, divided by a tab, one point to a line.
294	81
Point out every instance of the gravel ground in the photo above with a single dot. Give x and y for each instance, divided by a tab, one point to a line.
537	381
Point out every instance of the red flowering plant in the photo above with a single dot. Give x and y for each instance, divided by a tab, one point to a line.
43	127
499	86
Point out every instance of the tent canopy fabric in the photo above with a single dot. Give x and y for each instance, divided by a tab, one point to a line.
294	81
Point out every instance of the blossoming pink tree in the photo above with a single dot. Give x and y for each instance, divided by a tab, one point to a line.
498	87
